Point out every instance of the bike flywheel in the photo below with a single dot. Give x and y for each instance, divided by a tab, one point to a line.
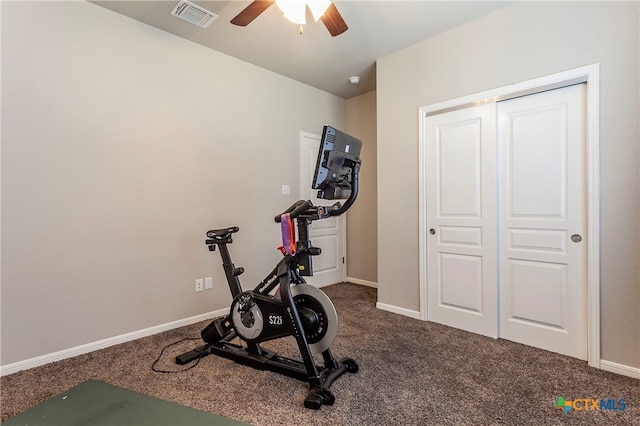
319	317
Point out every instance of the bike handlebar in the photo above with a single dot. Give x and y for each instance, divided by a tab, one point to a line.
296	209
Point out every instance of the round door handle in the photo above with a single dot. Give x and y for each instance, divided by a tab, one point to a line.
576	238
432	231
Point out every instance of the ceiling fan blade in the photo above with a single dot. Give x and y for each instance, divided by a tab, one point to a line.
333	21
251	12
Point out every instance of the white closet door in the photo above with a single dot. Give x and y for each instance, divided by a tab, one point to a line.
461	219
542	193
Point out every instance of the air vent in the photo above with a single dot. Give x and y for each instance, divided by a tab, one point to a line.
193	14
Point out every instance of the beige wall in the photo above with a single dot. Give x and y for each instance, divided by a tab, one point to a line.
518	43
362	219
121	146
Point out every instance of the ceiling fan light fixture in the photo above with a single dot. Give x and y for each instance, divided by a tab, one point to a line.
293	10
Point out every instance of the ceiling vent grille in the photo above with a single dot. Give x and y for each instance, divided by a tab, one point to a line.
193	14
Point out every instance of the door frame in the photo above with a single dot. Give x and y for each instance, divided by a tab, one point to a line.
590	75
342	223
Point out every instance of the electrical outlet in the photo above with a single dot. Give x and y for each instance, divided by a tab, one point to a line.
208	283
286	190
199	285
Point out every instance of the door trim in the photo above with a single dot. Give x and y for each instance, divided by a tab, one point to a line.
589	74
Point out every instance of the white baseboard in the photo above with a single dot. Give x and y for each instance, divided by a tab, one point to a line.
398	310
101	344
624	370
362	282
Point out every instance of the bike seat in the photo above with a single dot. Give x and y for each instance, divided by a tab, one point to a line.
220	235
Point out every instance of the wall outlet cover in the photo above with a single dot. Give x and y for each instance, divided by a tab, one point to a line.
199	284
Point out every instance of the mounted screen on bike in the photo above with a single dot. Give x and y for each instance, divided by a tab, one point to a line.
337	156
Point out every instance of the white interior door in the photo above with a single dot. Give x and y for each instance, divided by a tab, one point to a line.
327	234
461	220
543	224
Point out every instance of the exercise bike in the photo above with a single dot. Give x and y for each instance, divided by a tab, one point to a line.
283	305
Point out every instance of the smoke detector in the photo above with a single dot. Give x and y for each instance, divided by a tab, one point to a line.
193	14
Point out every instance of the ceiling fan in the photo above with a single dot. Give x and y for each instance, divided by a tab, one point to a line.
331	18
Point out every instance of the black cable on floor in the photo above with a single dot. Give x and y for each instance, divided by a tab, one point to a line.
153	366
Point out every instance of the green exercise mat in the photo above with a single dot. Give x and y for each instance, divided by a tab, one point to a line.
96	403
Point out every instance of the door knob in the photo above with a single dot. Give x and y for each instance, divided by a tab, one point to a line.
432	231
576	238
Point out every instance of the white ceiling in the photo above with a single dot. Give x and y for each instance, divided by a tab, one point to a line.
376	28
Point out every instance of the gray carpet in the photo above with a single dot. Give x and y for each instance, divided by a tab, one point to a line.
411	373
